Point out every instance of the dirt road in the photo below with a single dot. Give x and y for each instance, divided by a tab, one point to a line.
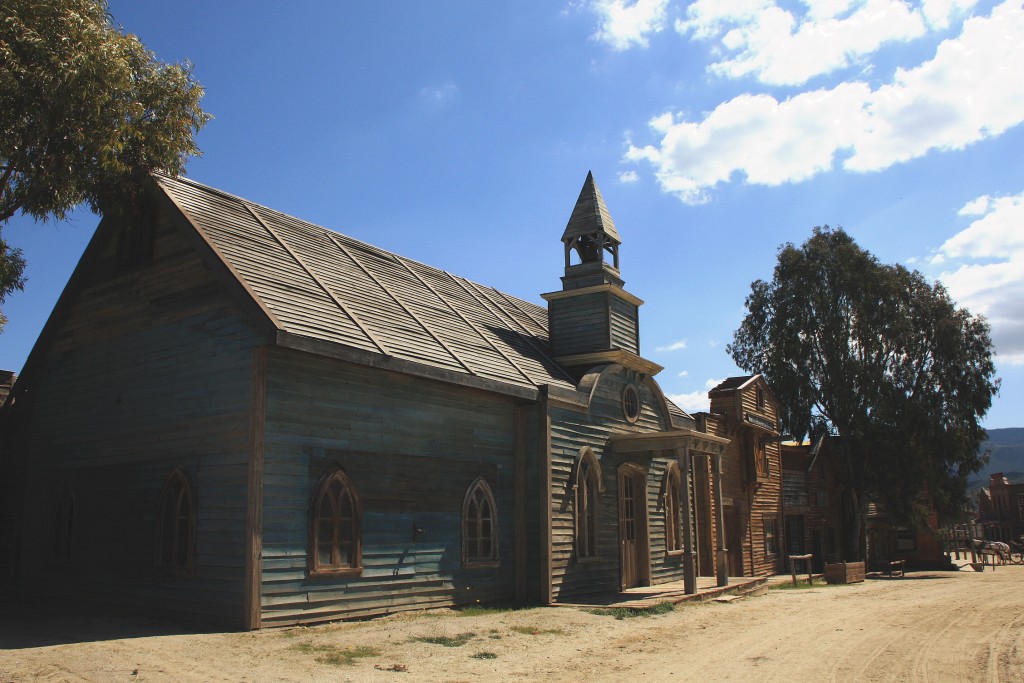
927	627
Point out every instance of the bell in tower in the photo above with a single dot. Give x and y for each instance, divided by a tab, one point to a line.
590	238
593	320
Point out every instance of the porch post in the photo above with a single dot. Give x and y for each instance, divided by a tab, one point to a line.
722	568
689	566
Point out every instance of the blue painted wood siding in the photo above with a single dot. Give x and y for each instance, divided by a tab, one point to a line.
411	447
570	431
149	370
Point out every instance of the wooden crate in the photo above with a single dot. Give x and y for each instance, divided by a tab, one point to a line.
844	572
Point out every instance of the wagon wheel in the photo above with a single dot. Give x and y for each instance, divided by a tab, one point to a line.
1017	557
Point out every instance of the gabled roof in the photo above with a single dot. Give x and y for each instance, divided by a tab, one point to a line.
590	214
733	383
324	287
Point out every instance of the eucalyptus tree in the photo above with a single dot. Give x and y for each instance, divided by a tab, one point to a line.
86	114
880	358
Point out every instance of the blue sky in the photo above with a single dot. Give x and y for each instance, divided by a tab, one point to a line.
459	133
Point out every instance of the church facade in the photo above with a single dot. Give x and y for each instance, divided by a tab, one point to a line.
236	416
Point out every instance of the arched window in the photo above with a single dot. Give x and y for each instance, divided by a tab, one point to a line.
335	539
175	549
588	488
479	525
670	496
63	525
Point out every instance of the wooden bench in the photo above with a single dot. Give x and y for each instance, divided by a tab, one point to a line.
896	568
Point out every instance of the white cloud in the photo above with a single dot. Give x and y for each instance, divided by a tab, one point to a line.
969	91
695	401
438	95
626	23
674	346
976	207
684	373
778	47
986	269
938	12
628	177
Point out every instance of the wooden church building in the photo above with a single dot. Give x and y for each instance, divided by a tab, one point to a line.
237	416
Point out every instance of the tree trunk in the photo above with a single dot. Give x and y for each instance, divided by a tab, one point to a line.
854	511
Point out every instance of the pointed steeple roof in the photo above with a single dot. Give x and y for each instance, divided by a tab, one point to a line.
590	214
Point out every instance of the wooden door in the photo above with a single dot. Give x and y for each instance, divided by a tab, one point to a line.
733	540
629	555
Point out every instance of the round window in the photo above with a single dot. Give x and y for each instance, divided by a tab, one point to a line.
631	403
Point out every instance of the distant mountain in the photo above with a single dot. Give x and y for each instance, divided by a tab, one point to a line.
1006	455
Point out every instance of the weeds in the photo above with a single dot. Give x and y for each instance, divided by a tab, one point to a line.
484	655
532	631
332	654
447	641
488	610
631	612
803	585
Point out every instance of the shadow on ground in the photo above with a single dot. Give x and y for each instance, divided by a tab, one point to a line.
26	626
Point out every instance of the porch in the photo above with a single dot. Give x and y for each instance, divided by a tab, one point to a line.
644	597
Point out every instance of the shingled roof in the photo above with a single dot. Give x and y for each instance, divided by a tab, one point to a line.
590	214
328	287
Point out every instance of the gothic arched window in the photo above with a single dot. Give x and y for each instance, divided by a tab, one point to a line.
175	550
335	536
588	488
479	525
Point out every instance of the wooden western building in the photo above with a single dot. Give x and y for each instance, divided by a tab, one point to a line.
811	503
237	416
744	411
1001	509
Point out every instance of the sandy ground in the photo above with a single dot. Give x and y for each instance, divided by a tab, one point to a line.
958	626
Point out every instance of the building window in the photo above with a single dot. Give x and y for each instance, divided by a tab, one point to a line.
673	521
335	530
758	454
588	488
760	399
794	487
631	403
63	525
822	498
1020	507
479	525
177	525
906	540
771	536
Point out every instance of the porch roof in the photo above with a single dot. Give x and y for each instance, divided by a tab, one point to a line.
669	440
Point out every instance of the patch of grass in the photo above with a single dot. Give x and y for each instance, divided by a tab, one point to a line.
447	641
479	610
802	584
484	655
332	654
531	631
631	612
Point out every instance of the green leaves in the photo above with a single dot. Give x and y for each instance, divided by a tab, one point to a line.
86	112
878	356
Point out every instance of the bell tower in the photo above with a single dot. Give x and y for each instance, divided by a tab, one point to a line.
593	320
